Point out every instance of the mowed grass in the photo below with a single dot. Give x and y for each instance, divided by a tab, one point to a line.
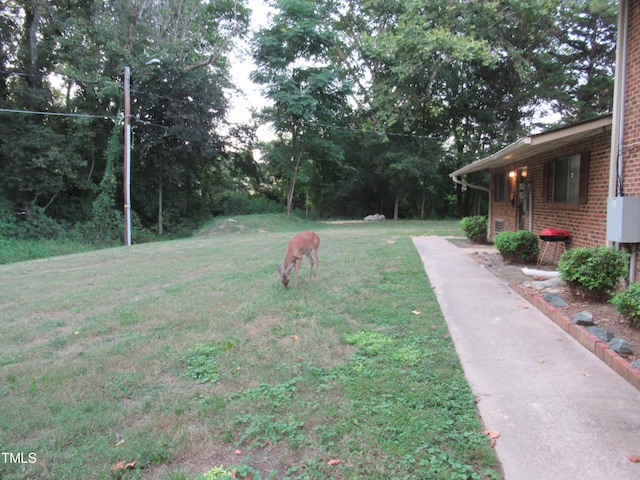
166	360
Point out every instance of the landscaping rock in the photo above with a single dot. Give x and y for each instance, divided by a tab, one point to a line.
636	363
584	318
620	345
373	218
555	300
601	333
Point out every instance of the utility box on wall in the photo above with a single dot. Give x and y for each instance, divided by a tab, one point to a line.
623	219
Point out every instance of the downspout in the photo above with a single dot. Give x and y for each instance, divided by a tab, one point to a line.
617	127
616	161
477	187
470	185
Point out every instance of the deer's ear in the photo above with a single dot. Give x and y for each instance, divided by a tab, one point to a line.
289	268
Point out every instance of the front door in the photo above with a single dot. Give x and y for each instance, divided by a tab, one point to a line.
525	190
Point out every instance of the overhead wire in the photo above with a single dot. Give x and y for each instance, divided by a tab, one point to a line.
183	101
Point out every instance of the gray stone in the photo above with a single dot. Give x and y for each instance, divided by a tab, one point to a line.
555	300
584	318
636	363
620	345
601	333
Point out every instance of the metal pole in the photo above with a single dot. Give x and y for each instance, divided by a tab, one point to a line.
127	157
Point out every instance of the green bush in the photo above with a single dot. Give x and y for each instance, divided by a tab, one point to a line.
593	271
627	303
475	228
520	246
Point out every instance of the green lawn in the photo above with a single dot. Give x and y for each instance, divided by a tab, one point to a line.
177	357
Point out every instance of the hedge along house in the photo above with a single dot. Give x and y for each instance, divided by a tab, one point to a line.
585	177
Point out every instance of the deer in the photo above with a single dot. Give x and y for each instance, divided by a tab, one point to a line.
304	243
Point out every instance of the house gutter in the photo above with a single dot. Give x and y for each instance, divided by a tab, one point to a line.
469	185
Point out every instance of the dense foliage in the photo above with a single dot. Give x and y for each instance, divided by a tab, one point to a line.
627	303
593	271
372	103
520	246
475	228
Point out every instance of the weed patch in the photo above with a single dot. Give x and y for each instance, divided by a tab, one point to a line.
201	364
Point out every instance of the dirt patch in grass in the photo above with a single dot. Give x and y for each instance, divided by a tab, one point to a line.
604	313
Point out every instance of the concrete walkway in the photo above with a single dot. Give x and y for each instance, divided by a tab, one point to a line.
562	413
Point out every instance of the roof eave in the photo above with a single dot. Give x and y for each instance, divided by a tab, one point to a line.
542	142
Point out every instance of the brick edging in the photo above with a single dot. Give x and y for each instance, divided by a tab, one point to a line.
587	339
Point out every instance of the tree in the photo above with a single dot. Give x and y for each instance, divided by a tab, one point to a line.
587	49
307	91
67	57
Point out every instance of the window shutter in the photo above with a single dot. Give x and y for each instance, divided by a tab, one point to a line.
583	193
494	187
545	182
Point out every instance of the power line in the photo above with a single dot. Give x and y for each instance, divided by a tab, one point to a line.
374	132
184	101
59	114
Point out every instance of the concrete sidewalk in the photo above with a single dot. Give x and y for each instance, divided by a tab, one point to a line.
562	413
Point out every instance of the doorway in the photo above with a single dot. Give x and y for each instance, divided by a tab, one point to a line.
525	200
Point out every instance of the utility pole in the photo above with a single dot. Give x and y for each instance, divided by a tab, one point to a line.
127	151
127	156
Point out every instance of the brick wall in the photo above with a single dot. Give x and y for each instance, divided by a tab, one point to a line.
631	150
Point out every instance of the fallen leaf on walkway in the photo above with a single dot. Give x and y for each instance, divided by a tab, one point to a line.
541	361
493	435
524	306
587	374
477	399
634	458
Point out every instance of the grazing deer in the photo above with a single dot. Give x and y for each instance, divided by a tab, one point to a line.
304	243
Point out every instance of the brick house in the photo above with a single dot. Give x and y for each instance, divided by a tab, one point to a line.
585	177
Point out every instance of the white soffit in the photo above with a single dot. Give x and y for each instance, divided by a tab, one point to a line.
532	145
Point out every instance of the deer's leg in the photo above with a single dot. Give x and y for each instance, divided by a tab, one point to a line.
310	257
315	252
295	272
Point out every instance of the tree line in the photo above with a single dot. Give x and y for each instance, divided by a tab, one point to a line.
372	102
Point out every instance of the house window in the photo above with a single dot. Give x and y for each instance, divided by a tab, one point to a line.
566	179
501	187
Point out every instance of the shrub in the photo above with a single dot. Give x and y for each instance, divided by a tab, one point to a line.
520	246
475	228
627	303
593	272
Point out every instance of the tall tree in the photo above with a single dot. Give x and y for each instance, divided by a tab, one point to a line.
308	92
587	49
